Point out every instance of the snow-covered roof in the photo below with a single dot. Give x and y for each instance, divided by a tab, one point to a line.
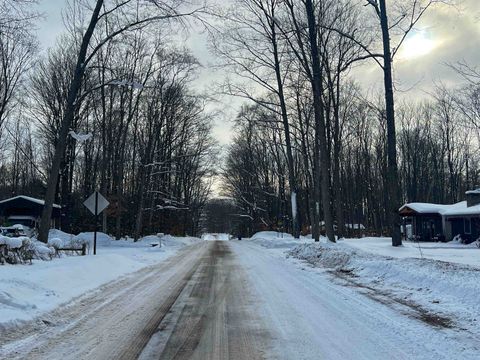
473	192
459	208
426	208
31	199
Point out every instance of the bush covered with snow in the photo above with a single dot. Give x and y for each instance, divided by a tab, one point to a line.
23	249
64	240
43	251
12	243
79	241
57	243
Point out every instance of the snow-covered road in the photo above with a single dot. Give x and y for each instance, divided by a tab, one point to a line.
310	315
115	321
235	300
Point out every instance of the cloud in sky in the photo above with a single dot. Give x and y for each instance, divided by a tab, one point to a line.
445	35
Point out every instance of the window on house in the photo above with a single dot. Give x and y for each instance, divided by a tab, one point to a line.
468	226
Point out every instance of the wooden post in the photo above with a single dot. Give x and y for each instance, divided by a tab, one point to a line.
96	225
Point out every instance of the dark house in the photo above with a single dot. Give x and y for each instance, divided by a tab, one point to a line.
26	211
435	222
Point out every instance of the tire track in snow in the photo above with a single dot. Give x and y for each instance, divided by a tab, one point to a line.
103	323
216	318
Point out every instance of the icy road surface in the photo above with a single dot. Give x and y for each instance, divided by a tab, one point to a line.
233	300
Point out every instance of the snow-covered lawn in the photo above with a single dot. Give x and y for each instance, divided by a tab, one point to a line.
453	252
450	252
26	291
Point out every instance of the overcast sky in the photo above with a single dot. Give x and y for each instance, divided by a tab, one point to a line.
445	35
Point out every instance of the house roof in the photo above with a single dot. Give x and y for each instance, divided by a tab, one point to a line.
30	199
461	208
426	208
473	192
457	209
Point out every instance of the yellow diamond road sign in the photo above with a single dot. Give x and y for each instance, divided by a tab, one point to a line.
98	198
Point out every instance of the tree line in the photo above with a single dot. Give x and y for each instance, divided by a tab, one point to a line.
111	108
314	151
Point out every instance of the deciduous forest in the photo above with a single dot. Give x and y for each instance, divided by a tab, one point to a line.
112	107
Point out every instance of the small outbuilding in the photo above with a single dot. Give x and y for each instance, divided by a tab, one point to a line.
26	211
436	222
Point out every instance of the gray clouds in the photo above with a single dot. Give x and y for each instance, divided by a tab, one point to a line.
454	31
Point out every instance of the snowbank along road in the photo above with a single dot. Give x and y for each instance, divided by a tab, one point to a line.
232	300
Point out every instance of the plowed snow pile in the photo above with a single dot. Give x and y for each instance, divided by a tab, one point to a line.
445	288
275	240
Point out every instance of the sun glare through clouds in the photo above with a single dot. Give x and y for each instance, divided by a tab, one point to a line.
418	44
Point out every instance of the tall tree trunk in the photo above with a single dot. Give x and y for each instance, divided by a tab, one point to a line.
316	187
286	127
118	215
143	175
305	158
393	185
339	207
320	131
141	203
66	122
337	146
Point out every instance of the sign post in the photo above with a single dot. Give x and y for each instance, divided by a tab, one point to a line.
96	203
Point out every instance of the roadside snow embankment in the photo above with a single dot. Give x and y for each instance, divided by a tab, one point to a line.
443	287
27	291
275	240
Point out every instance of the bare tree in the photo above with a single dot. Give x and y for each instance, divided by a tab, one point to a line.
405	16
17	48
252	28
129	16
